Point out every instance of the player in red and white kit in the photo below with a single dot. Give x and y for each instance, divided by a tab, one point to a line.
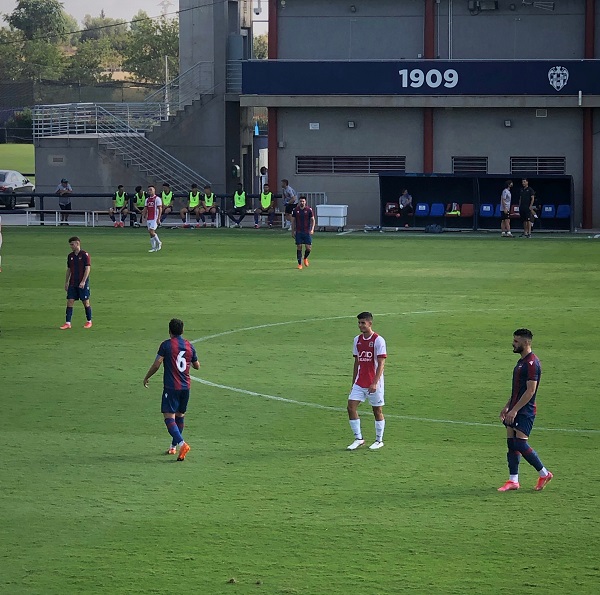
369	360
152	211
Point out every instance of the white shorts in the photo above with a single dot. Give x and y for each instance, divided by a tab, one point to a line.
151	224
362	394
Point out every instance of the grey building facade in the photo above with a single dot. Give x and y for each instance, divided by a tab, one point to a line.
432	132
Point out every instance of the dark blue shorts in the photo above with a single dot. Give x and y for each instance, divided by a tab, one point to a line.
75	293
174	401
523	423
303	238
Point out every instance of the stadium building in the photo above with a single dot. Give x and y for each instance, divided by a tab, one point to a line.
475	90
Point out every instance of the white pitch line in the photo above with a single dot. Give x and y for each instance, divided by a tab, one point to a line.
341	409
387	415
287	322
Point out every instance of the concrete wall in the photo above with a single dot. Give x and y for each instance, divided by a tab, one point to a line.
393	29
378	132
87	168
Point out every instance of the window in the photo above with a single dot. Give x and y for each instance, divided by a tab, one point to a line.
469	165
349	165
538	165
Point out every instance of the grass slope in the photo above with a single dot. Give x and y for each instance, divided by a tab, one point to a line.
19	157
269	496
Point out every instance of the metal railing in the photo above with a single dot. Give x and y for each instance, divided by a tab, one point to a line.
86	118
125	138
314	198
192	85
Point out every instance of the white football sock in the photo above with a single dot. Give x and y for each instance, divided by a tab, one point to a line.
379	428
543	472
355	425
514	478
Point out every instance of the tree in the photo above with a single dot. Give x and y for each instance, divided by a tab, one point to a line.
11	43
102	27
39	19
88	63
261	47
42	60
150	40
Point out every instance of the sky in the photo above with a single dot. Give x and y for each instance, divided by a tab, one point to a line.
115	9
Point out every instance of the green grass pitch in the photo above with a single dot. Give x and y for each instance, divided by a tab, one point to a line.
19	157
268	500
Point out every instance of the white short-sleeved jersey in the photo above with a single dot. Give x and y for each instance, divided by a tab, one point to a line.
152	204
367	351
505	200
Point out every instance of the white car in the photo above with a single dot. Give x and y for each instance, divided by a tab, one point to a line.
14	189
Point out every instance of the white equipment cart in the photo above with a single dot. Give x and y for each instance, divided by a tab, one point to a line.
332	216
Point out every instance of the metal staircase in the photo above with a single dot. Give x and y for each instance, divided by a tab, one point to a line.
121	130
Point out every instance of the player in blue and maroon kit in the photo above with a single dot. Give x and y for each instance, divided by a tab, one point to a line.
77	282
303	227
518	414
177	354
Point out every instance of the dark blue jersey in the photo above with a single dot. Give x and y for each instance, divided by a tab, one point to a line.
528	368
303	217
76	264
178	354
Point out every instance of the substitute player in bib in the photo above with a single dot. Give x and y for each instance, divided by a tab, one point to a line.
77	282
177	355
119	207
518	414
303	227
369	360
152	211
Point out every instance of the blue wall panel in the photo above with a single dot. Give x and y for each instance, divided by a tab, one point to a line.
434	77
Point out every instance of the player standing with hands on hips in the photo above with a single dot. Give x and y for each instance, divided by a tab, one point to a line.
369	359
177	354
518	414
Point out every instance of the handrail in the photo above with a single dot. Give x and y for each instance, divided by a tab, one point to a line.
189	86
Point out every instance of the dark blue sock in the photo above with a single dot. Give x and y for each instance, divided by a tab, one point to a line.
173	430
255	219
513	457
306	253
299	256
113	218
202	217
69	314
88	313
528	453
180	424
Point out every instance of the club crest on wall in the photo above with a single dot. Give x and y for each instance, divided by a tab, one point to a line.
558	77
